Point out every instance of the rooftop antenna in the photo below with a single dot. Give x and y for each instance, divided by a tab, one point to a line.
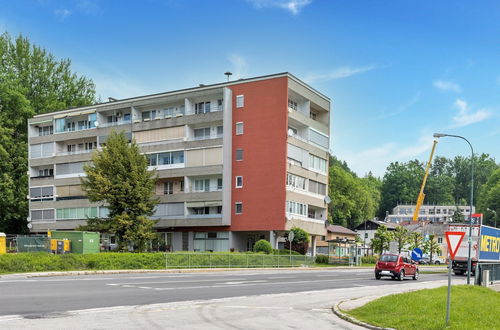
228	74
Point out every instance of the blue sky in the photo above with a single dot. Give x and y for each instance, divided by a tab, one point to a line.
396	71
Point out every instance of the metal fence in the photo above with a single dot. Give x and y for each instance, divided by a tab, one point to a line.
232	260
494	272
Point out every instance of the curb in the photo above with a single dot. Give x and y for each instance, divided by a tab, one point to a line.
336	310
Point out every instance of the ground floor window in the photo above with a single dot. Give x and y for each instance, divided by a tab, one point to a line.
211	241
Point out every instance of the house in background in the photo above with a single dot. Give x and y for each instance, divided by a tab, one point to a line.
334	232
366	232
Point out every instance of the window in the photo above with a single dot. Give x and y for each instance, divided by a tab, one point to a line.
240	101
317	164
440	240
219	184
202	185
202	133
202	107
168	188
46	172
70	169
168	209
295	181
77	213
41	193
239	154
166	158
311	214
70	148
46	130
292	104
239	128
42	150
239	182
182	185
366	235
312	115
238	207
296	208
318	138
317	187
146	116
220	104
220	131
211	241
42	215
152	159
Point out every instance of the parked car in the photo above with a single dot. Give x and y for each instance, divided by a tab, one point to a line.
424	261
396	266
438	260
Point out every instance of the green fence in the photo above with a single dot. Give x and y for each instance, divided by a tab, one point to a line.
231	260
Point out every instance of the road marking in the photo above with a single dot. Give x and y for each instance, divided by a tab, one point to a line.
171	282
231	283
145	287
280	277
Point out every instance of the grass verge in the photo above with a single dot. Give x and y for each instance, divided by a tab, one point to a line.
472	307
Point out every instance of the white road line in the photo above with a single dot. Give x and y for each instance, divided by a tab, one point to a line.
241	282
281	277
145	287
172	282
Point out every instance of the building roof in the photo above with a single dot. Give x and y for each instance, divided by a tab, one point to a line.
339	229
191	89
377	223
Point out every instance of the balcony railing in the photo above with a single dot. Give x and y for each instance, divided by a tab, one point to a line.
76	152
116	123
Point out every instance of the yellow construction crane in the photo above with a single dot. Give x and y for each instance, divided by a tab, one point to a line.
421	195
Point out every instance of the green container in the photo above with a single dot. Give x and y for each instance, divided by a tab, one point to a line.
33	243
82	242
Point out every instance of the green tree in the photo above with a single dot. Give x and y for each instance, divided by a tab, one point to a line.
400	236
300	241
353	199
381	239
490	199
263	246
431	247
457	216
415	240
32	81
119	178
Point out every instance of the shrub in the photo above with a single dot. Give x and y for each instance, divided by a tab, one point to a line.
263	246
321	259
369	259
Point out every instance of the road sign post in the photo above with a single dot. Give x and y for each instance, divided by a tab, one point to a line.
291	235
453	239
416	254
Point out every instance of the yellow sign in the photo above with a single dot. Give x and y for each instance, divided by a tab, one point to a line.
3	244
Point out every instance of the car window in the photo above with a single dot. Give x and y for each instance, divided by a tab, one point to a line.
388	258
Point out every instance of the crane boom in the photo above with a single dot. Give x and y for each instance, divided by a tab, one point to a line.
421	195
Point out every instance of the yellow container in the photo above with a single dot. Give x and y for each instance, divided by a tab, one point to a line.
3	243
66	245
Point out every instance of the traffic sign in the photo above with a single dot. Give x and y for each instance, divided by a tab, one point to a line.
416	254
291	235
454	238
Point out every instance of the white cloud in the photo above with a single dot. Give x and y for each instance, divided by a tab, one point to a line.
239	66
342	72
62	13
447	86
292	6
466	117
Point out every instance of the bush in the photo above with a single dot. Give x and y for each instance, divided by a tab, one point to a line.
321	259
285	252
263	246
369	259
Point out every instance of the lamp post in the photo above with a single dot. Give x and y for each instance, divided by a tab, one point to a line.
440	135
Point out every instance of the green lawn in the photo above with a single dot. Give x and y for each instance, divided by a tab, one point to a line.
472	307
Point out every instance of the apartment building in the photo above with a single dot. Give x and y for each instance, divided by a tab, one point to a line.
434	213
236	161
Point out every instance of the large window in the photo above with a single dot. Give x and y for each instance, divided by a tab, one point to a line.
317	164
317	187
69	169
65	125
296	181
41	193
202	107
42	150
76	213
166	158
318	138
168	210
211	241
45	130
296	208
292	104
202	133
202	185
42	215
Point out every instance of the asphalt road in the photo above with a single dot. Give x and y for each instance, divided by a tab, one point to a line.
42	296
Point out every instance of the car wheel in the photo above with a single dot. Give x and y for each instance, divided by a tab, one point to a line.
459	272
377	276
401	275
415	277
437	262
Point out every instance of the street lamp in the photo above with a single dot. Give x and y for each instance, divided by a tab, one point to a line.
494	215
440	135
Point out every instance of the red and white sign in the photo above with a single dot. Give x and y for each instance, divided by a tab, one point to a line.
454	238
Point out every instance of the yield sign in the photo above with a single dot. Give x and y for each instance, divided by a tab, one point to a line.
454	238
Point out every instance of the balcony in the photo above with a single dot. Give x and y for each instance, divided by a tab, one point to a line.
115	123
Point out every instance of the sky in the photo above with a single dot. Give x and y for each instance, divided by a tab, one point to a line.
395	71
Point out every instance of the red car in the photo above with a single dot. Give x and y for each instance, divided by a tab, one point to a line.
395	266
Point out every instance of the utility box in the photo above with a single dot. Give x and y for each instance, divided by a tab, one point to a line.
3	243
82	242
60	246
33	244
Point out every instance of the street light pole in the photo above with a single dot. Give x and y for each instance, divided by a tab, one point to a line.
469	263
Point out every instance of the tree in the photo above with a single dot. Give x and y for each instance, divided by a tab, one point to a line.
353	199
381	240
457	216
431	247
32	81
119	178
400	236
263	246
300	241
415	240
490	199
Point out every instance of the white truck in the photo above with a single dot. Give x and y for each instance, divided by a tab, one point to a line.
485	247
